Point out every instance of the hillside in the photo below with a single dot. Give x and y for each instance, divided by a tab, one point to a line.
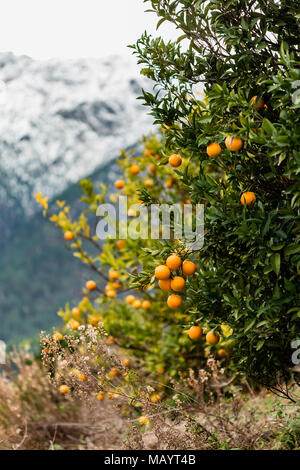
60	121
37	272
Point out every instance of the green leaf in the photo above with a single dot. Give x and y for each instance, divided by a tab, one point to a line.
260	344
292	249
275	262
268	127
249	324
277	247
160	22
181	38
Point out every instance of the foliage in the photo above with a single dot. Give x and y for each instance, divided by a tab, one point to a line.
153	335
246	288
249	266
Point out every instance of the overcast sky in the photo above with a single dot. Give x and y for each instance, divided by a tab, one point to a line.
45	29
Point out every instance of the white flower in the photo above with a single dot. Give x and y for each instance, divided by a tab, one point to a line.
197	90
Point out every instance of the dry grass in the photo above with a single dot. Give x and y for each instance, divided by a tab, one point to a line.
202	410
34	415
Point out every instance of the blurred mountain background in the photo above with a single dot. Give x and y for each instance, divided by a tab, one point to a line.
60	121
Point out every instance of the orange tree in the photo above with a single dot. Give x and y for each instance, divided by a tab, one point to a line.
142	313
245	55
233	148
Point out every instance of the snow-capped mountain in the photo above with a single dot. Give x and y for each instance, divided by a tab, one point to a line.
60	120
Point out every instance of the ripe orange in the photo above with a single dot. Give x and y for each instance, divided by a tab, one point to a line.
259	105
120	244
134	169
69	236
57	336
130	299
222	353
113	372
148	153
143	420
155	398
74	324
177	284
195	332
146	304
247	198
136	304
174	301
111	294
149	183
93	320
162	272
165	284
175	161
212	338
169	184
64	389
113	274
173	262
233	143
126	362
111	340
152	168
75	311
213	150
82	377
91	285
100	397
160	369
116	285
119	184
188	268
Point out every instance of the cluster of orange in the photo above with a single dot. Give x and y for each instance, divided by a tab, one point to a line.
195	333
111	287
135	170
137	303
234	144
64	389
176	283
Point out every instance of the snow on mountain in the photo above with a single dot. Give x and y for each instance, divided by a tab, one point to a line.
60	120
